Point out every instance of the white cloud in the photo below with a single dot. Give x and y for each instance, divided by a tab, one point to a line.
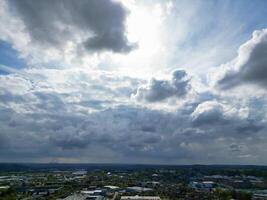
250	66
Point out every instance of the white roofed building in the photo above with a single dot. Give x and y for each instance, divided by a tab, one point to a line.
140	197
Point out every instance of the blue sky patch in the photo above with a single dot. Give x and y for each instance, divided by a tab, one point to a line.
9	57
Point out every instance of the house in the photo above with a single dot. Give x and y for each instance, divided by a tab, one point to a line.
140	197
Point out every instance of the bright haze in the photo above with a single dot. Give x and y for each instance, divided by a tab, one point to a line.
133	81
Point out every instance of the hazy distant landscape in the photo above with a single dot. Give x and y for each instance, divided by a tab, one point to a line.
115	181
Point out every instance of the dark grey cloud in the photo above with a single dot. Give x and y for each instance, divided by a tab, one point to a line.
250	126
69	120
207	113
236	148
159	90
69	142
251	63
133	134
100	22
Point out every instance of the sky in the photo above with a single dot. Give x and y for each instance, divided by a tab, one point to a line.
133	81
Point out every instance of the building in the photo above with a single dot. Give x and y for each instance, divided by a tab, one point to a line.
78	196
138	189
140	197
96	192
111	187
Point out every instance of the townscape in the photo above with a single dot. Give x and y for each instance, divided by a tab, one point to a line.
132	182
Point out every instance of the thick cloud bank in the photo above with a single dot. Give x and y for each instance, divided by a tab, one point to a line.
159	90
96	24
250	65
64	113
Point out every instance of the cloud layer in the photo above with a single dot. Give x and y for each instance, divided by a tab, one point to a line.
95	25
62	113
